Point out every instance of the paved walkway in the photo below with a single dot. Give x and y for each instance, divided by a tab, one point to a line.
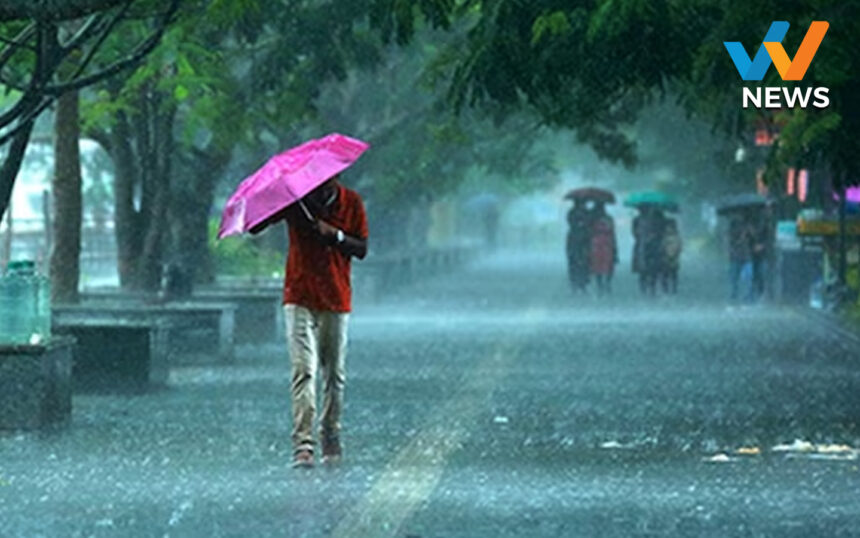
492	403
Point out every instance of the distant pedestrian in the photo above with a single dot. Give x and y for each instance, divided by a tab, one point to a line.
578	245
648	247
741	237
763	252
671	262
324	235
604	251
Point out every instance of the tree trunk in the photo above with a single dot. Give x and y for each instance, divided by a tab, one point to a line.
66	184
192	202
6	251
12	165
158	160
141	147
127	226
842	270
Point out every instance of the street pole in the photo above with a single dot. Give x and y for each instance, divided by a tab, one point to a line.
843	258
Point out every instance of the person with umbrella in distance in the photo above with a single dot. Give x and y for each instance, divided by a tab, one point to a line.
327	227
578	244
746	243
604	250
649	227
648	246
741	238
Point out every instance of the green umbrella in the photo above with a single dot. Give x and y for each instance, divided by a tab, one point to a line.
652	198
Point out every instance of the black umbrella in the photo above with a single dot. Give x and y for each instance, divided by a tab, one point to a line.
740	202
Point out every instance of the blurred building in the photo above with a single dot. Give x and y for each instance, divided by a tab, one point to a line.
25	231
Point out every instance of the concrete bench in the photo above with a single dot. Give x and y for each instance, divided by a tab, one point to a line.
35	385
259	313
114	353
172	334
258	317
204	330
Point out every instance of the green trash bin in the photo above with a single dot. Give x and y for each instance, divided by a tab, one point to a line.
25	305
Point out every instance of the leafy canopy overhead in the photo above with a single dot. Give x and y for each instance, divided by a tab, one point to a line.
593	66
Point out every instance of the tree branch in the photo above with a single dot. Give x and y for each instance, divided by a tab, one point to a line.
87	29
11	165
12	45
19	41
104	33
27	119
53	10
143	48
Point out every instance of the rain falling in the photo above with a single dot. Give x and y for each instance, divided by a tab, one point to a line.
446	268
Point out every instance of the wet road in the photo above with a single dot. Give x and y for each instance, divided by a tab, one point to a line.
491	404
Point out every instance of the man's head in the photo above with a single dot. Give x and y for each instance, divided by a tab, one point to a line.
323	195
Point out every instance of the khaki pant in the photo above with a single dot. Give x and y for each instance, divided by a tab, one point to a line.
317	343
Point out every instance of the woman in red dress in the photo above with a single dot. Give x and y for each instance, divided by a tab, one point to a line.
604	251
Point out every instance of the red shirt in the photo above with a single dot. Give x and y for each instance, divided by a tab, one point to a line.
318	275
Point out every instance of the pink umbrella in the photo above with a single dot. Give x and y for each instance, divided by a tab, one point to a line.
286	178
852	195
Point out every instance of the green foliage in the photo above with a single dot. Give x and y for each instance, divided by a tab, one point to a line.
241	256
421	150
589	66
396	18
552	24
595	65
821	139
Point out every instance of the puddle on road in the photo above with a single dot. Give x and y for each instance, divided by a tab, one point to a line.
798	449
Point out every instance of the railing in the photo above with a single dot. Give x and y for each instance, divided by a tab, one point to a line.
372	277
377	275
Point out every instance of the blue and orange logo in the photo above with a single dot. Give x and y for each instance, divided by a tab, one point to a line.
773	51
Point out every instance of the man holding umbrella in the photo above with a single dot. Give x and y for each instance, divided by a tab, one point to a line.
327	227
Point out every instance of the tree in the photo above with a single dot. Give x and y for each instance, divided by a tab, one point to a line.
593	66
53	10
809	137
66	187
228	75
588	66
41	60
421	151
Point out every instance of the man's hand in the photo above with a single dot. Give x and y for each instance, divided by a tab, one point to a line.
327	232
350	246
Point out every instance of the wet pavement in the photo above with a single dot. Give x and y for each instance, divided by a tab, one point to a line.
492	403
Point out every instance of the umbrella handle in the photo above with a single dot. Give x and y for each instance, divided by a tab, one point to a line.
306	212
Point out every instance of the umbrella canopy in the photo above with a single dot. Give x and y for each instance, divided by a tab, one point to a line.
591	193
658	199
740	202
286	178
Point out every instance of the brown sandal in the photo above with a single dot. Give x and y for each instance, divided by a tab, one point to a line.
303	459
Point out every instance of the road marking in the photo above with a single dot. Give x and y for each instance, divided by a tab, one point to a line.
412	476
